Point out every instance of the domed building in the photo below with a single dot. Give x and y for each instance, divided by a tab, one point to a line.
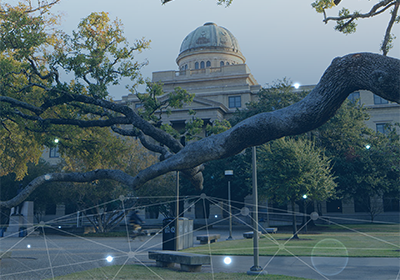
212	66
209	45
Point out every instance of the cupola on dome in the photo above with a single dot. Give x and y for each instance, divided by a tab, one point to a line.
210	35
210	39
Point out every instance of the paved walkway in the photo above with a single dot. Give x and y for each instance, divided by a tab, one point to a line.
37	257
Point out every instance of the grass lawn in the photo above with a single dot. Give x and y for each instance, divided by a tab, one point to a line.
369	240
150	273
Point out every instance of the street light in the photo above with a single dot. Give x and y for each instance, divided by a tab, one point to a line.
227	174
256	269
305	212
177	213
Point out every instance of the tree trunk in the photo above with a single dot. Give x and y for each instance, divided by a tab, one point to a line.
294	222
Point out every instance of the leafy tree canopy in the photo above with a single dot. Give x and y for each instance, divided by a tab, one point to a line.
41	104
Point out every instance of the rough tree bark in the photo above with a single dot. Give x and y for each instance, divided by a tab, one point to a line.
361	71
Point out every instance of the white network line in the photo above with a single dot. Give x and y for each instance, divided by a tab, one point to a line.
142	249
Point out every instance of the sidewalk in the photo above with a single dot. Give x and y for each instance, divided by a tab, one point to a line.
37	257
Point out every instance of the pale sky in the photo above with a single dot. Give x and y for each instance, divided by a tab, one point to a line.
278	38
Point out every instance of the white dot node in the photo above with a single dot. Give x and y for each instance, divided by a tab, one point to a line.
203	195
314	216
227	260
244	211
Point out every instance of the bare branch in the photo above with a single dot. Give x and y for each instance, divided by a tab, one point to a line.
20	104
361	71
386	4
386	40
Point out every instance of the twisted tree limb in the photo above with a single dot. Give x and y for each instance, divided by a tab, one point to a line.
361	71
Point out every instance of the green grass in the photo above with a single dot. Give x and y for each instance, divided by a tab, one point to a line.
150	273
352	240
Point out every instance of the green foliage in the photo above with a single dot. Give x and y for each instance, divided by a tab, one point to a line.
156	102
347	27
277	96
321	5
131	157
291	168
343	131
99	54
227	3
218	126
215	181
386	46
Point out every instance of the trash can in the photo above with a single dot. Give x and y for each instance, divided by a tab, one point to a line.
188	233
168	236
182	236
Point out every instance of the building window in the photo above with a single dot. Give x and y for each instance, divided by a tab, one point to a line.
186	66
379	100
196	65
208	64
227	63
202	65
221	63
382	128
354	97
138	105
235	102
54	153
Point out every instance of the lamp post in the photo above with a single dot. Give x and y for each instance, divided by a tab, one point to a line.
256	269
305	212
177	213
227	174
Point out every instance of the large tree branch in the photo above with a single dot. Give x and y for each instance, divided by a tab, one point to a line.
116	175
362	71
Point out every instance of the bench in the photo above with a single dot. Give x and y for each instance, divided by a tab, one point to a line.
208	238
249	234
189	262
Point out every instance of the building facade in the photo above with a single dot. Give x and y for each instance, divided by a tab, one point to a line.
210	65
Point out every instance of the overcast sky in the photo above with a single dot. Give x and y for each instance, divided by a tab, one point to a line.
278	38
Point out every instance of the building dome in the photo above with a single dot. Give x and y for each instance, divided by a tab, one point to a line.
210	35
211	40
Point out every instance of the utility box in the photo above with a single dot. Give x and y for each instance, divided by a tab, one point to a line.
185	233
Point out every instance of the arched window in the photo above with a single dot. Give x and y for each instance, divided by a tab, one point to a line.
202	65
227	63
221	63
196	65
186	67
208	64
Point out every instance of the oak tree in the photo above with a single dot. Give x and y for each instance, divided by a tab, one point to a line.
37	101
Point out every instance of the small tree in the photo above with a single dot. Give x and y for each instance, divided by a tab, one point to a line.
291	168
